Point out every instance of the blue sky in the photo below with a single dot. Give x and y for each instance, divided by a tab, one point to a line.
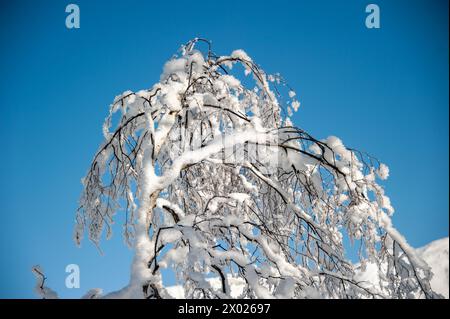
384	91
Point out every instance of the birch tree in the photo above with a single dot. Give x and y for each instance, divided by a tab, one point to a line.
214	179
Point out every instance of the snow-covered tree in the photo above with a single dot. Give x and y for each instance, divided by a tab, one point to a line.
214	179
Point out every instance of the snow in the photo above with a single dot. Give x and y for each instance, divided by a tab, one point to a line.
40	288
416	261
240	54
230	80
171	96
237	286
436	255
383	171
93	294
295	105
239	197
176	255
386	204
368	275
169	236
253	281
196	61
161	202
174	66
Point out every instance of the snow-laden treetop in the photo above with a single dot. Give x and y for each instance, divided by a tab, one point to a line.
213	177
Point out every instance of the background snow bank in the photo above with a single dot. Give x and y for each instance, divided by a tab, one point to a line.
436	255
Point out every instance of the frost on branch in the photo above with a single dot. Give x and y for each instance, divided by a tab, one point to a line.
213	179
40	289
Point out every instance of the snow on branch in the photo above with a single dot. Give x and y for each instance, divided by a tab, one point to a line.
43	291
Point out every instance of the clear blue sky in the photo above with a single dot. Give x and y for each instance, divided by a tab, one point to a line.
383	91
